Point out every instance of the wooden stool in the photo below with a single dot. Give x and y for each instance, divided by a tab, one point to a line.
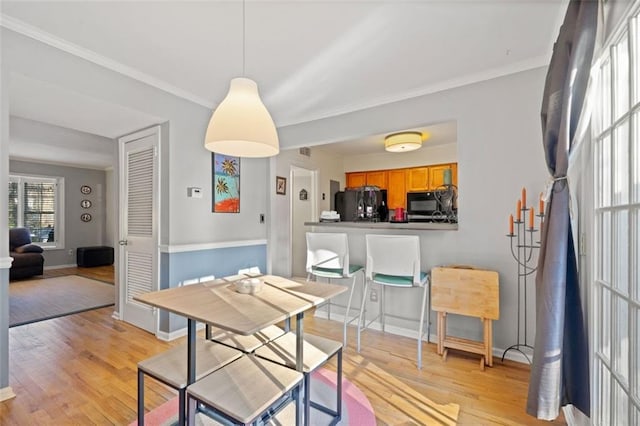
244	391
247	344
470	292
316	352
170	368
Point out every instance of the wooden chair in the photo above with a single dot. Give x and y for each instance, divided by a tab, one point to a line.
247	390
469	292
328	257
394	261
316	352
170	368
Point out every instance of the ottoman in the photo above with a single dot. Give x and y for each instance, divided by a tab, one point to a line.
94	256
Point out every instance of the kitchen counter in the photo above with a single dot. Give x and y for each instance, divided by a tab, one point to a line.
418	226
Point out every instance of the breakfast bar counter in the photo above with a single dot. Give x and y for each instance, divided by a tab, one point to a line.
417	226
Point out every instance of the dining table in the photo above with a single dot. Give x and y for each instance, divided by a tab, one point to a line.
217	303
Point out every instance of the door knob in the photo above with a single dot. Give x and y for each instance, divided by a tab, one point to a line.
123	242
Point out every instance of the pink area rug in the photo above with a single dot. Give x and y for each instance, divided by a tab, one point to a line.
356	409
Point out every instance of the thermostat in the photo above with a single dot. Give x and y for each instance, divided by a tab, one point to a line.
194	192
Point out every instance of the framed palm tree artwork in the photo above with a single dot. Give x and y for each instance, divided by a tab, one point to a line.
226	183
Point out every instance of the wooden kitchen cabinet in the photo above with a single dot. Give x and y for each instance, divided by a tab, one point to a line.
398	182
436	175
417	179
356	179
377	178
396	189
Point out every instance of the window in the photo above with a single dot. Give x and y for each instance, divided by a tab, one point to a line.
615	292
36	203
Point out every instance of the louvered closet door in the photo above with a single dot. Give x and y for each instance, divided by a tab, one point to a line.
140	242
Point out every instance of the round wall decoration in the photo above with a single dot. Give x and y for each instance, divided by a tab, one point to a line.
85	204
86	217
85	189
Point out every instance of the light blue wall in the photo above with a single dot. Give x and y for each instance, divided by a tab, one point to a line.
176	268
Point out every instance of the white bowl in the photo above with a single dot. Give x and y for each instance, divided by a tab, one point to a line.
248	286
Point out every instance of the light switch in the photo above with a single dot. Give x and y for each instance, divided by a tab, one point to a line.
194	192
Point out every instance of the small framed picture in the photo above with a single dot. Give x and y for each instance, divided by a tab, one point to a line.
281	185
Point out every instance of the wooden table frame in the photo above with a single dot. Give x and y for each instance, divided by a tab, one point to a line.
216	303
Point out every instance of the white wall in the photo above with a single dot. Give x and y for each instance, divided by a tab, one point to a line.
387	160
328	167
499	152
184	161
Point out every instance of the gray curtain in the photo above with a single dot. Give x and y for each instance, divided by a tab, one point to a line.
560	370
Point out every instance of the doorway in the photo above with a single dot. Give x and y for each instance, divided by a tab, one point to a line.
303	209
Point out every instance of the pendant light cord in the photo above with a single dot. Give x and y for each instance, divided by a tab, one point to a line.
244	36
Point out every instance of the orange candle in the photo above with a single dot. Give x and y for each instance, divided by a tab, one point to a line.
518	210
510	224
524	198
531	218
541	204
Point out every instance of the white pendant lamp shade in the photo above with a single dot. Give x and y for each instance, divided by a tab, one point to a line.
241	126
403	142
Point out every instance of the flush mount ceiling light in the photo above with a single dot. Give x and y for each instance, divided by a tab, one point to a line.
403	141
241	126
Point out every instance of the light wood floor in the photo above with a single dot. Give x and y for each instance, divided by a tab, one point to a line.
81	370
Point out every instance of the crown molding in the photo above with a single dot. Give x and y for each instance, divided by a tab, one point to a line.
526	65
38	34
35	33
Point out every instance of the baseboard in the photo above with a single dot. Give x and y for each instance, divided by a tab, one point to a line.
167	337
405	332
6	393
116	315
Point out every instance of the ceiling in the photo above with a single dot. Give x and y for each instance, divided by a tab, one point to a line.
311	59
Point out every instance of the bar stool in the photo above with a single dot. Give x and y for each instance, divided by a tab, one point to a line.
170	368
316	352
394	261
247	390
328	257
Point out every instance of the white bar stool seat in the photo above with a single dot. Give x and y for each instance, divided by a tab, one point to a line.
394	261
328	257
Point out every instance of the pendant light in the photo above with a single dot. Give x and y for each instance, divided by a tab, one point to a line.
241	126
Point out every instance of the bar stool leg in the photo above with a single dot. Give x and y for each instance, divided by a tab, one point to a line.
346	315
382	306
362	309
339	386
329	303
140	398
421	326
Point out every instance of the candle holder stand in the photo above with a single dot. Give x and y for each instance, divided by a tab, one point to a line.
522	250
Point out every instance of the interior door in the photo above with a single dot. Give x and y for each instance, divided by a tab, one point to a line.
139	185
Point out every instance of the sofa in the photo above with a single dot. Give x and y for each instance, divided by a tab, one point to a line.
27	257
